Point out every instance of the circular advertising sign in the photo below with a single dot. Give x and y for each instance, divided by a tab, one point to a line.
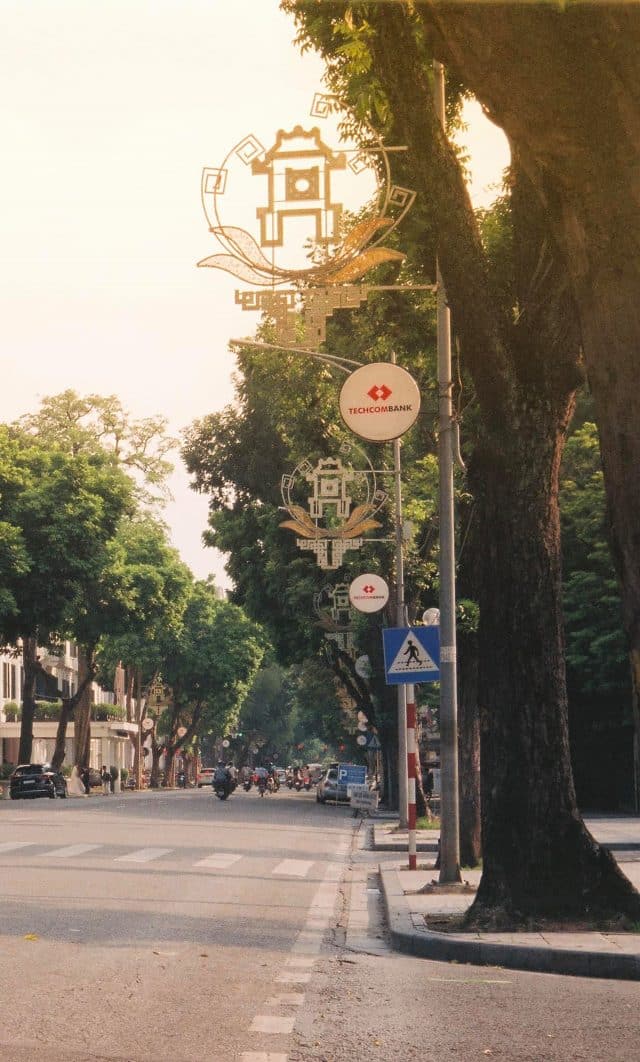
379	402
368	593
147	723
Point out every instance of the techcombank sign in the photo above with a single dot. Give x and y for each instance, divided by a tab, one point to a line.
380	401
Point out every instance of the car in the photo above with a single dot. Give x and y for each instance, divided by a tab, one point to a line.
36	780
205	776
329	788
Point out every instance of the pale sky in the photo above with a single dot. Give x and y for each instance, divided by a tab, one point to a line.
112	109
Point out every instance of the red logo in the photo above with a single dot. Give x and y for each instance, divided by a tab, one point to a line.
368	589
379	393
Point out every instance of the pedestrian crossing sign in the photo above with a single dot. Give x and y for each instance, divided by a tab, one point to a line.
411	654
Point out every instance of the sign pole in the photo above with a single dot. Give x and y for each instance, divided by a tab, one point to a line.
411	771
449	815
400	619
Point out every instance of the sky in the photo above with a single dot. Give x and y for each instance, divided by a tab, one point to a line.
113	108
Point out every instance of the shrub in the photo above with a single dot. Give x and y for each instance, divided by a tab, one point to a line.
103	713
13	711
6	769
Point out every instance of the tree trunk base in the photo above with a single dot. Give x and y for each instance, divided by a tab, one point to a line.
589	889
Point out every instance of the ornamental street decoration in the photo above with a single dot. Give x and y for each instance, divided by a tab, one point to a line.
341	503
336	616
299	249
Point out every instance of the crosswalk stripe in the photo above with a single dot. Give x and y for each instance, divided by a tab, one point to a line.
10	846
272	1023
219	860
295	868
143	855
71	850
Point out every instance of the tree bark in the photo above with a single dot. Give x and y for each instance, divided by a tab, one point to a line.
538	857
562	82
82	714
31	668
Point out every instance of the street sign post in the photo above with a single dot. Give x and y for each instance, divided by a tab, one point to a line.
363	798
411	654
351	774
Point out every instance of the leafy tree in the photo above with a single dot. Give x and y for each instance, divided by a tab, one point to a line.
210	668
95	423
65	509
522	355
159	586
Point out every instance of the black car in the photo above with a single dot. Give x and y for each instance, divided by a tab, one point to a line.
36	780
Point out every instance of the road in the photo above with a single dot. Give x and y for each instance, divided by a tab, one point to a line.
172	926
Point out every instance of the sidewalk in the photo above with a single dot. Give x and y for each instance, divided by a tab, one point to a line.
587	954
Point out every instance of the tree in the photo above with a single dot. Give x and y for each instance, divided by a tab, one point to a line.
159	585
210	668
521	350
97	425
65	509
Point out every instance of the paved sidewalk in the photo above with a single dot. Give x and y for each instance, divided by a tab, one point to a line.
589	954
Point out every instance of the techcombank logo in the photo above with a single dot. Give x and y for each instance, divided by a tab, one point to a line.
380	401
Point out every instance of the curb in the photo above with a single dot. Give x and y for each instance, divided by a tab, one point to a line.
425	943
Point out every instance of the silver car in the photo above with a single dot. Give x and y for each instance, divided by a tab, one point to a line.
329	788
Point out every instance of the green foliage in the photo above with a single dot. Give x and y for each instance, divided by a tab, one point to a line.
597	659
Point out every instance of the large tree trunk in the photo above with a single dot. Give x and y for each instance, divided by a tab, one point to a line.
526	768
82	714
563	84
31	668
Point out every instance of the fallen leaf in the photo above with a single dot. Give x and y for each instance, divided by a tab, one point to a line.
31	936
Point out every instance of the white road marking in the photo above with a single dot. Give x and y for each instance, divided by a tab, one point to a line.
287	999
295	868
271	1023
292	977
11	846
219	861
262	1056
300	961
143	855
71	850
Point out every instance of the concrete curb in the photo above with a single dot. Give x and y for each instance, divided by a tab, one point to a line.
449	947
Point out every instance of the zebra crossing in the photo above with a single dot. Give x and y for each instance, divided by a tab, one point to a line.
215	861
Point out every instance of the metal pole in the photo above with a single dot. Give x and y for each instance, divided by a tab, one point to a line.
449	806
400	620
411	772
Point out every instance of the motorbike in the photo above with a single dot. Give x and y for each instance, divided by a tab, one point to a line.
223	789
246	785
263	786
182	780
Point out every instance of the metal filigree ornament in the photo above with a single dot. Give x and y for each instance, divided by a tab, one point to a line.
301	255
341	503
335	616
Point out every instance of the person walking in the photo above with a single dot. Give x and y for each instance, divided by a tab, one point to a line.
106	781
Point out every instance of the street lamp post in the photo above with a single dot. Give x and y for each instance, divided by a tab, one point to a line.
449	810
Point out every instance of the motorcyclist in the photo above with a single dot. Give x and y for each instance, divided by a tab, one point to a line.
222	776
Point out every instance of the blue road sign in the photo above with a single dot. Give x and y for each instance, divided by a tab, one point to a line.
411	654
351	774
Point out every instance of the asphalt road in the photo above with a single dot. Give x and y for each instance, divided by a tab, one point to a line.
171	926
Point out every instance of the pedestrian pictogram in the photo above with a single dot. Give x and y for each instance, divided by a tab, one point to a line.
411	654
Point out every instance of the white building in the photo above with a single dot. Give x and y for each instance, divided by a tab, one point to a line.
111	744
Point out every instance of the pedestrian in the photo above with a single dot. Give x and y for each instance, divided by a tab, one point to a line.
75	785
86	780
106	781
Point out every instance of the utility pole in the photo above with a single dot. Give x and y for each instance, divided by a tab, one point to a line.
449	799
